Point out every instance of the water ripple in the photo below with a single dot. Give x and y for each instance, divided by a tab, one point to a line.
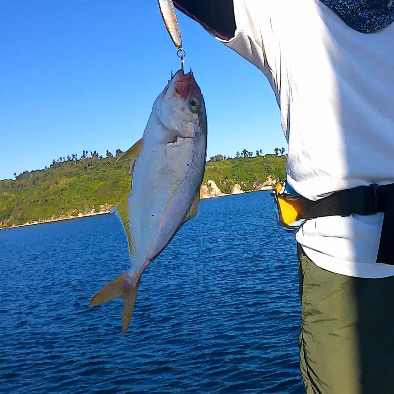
217	312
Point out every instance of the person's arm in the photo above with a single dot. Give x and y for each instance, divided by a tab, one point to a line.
216	16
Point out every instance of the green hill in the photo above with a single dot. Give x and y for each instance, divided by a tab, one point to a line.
250	173
93	184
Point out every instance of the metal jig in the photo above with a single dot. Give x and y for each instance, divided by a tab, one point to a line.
170	19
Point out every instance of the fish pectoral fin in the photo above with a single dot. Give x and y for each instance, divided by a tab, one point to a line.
119	287
132	165
193	210
133	152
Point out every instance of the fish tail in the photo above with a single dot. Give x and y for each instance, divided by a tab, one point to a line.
123	286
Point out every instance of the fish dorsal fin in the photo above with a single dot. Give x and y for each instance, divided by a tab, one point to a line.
133	152
193	210
122	211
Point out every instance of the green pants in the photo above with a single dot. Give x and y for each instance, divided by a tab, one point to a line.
347	332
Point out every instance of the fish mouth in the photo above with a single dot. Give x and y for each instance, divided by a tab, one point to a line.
185	84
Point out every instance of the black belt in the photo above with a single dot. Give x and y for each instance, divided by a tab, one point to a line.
361	200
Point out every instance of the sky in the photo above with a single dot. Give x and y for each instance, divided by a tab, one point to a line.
83	75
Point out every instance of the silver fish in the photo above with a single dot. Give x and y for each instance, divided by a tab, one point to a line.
168	165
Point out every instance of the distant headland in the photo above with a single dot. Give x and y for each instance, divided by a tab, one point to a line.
91	184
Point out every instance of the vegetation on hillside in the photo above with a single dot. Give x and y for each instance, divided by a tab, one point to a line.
92	183
249	172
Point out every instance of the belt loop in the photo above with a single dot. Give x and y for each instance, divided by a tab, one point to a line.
371	199
375	197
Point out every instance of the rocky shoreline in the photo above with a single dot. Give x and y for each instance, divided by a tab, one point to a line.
211	190
207	190
60	218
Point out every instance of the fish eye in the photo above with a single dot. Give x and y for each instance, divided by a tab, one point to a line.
194	105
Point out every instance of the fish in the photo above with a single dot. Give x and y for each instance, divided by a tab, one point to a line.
171	21
167	166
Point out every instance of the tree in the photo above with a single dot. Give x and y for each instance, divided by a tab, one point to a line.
276	150
237	155
257	153
244	153
108	154
282	151
261	152
118	152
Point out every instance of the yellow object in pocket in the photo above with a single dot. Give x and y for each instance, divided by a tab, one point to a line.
289	206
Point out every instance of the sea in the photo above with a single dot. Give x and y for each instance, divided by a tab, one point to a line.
217	312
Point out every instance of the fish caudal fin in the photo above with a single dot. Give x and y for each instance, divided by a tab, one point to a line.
128	306
122	286
113	289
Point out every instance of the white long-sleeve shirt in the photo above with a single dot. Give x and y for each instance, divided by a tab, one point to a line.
335	90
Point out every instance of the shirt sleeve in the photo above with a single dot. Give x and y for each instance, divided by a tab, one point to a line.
216	16
236	23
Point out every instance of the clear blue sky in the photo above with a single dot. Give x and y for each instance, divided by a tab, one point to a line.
83	75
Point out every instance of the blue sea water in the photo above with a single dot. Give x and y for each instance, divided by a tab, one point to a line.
218	311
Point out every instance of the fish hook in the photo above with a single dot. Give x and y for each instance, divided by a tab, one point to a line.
181	54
